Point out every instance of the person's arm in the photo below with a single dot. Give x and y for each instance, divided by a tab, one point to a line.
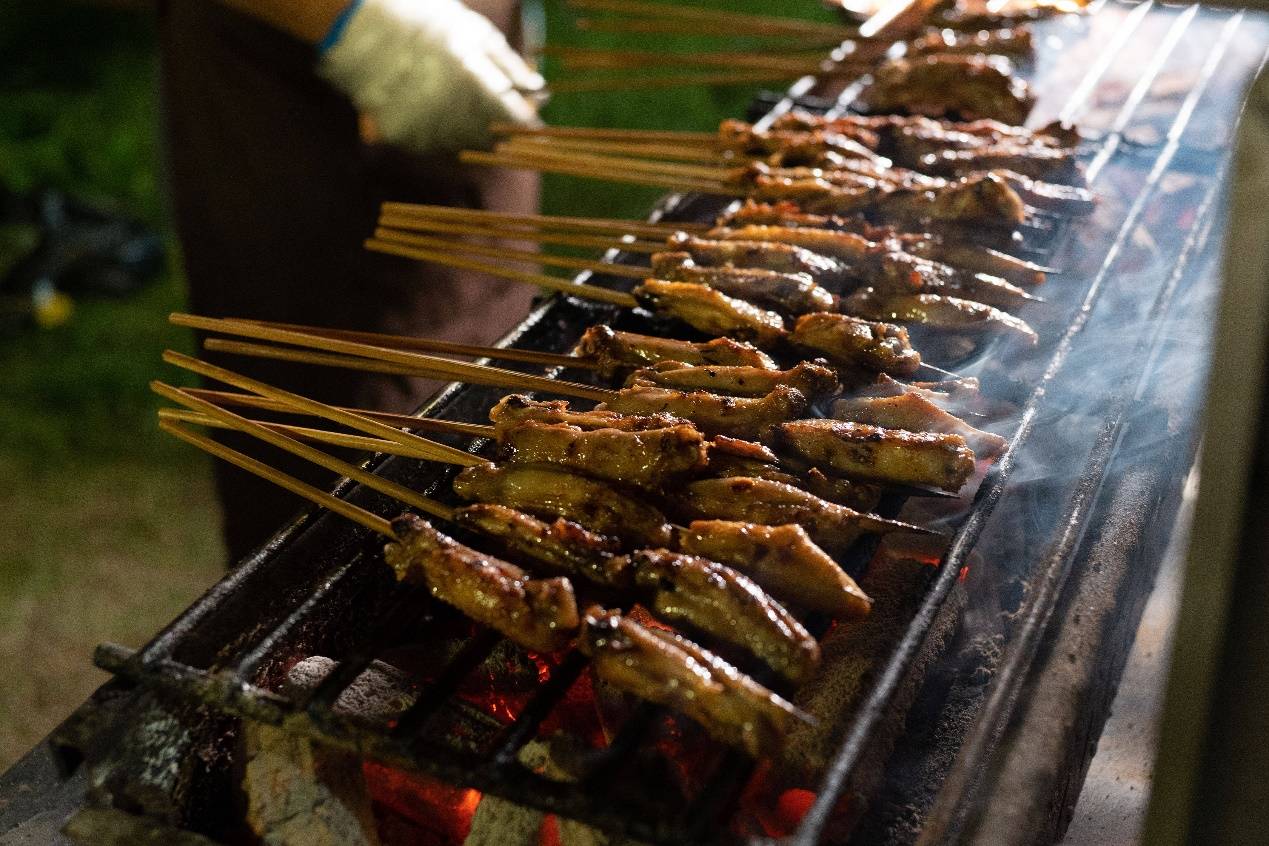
307	20
432	75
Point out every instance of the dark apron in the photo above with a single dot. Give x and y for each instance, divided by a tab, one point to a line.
273	193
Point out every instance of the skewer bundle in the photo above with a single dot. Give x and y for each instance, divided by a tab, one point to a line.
698	485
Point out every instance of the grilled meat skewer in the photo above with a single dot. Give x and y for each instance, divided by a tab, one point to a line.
788	293
514	409
618	351
553	493
710	311
939	85
854	343
539	614
915	413
668	669
783	560
871	452
737	417
936	311
716	599
812	378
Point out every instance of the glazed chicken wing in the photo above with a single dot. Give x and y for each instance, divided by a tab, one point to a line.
646	459
812	378
514	409
789	293
850	342
939	85
668	669
937	311
783	258
711	311
737	417
562	546
871	452
727	462
784	560
539	614
834	527
915	413
722	603
554	493
617	351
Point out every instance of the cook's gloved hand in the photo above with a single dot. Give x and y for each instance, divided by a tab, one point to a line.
431	74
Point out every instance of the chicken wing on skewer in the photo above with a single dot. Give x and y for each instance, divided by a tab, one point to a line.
955	134
615	351
550	492
515	409
647	459
813	378
784	560
913	412
784	258
1013	43
871	452
711	311
539	614
788	293
850	342
737	417
725	604
562	546
670	670
939	85
936	311
834	527
730	458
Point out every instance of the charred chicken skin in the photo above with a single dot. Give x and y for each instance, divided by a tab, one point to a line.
783	258
670	670
940	85
834	527
539	614
871	452
814	379
788	293
851	342
725	604
937	311
737	417
616	351
783	560
562	546
550	492
514	409
711	311
646	459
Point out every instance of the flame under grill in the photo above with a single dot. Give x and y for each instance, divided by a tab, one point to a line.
1160	90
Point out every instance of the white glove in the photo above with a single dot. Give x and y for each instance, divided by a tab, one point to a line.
431	74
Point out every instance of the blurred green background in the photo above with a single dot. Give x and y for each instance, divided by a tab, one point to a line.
107	528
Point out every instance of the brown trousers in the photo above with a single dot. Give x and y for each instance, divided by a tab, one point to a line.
273	193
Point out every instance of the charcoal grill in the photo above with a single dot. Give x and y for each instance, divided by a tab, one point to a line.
1102	435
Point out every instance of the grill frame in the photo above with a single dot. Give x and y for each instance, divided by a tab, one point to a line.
163	663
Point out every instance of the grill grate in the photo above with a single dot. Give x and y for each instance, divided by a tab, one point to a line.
230	649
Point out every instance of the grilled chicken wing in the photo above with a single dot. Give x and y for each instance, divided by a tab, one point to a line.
514	409
711	311
789	293
834	527
938	85
646	459
783	560
670	670
725	463
557	493
562	546
913	412
617	351
871	452
853	343
1015	42
813	378
737	417
936	311
539	614
783	258
722	603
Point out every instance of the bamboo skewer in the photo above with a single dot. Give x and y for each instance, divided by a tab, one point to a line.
588	58
605	225
402	421
600	242
646	149
436	367
554	283
508	254
529	147
410	342
328	501
302	433
675	136
629	82
284	442
565	168
420	447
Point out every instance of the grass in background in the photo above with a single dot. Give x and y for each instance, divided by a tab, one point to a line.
108	527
